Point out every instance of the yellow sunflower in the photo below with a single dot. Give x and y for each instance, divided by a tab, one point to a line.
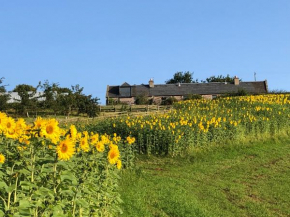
38	123
8	124
11	133
51	130
94	138
65	149
113	155
73	132
20	127
119	164
100	146
2	158
84	144
112	146
3	117
130	140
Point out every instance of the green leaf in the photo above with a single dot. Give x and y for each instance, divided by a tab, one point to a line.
44	192
24	184
82	203
24	172
10	189
63	164
3	185
57	211
24	206
69	177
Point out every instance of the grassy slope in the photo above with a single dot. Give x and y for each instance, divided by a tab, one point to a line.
232	180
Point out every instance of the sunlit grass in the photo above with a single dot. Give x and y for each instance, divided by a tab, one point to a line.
232	180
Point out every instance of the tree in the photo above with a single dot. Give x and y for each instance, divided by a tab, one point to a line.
49	93
87	105
3	96
181	77
74	99
220	78
27	98
2	87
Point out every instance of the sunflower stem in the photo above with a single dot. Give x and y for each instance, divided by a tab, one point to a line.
15	191
54	177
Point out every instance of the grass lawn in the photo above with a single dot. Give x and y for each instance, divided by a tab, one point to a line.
231	180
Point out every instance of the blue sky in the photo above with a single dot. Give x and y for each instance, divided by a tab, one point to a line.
99	43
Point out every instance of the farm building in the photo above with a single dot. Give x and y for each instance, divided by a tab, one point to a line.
127	93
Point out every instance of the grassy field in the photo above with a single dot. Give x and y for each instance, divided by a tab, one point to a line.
250	179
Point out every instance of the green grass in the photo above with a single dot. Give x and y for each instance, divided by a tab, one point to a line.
231	180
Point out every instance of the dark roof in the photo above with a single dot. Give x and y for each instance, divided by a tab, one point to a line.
213	88
125	84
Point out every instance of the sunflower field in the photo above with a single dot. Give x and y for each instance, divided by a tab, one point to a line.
194	124
46	170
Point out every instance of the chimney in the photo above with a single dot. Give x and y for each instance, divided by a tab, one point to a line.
151	83
236	80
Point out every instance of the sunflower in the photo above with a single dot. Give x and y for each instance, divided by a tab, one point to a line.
113	155
38	123
119	164
8	124
94	138
11	133
20	127
51	130
2	158
65	149
3	117
112	146
130	140
73	132
100	146
84	144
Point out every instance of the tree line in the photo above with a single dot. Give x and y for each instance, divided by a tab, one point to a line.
187	77
52	98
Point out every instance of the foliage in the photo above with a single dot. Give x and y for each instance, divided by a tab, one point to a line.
193	97
195	123
87	105
181	77
141	100
240	92
233	179
50	92
24	88
27	98
66	100
220	78
169	101
2	87
277	91
49	171
3	96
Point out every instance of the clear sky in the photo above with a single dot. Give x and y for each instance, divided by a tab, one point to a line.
95	43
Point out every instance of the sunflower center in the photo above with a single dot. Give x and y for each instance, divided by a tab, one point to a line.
112	155
49	129
8	125
64	149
